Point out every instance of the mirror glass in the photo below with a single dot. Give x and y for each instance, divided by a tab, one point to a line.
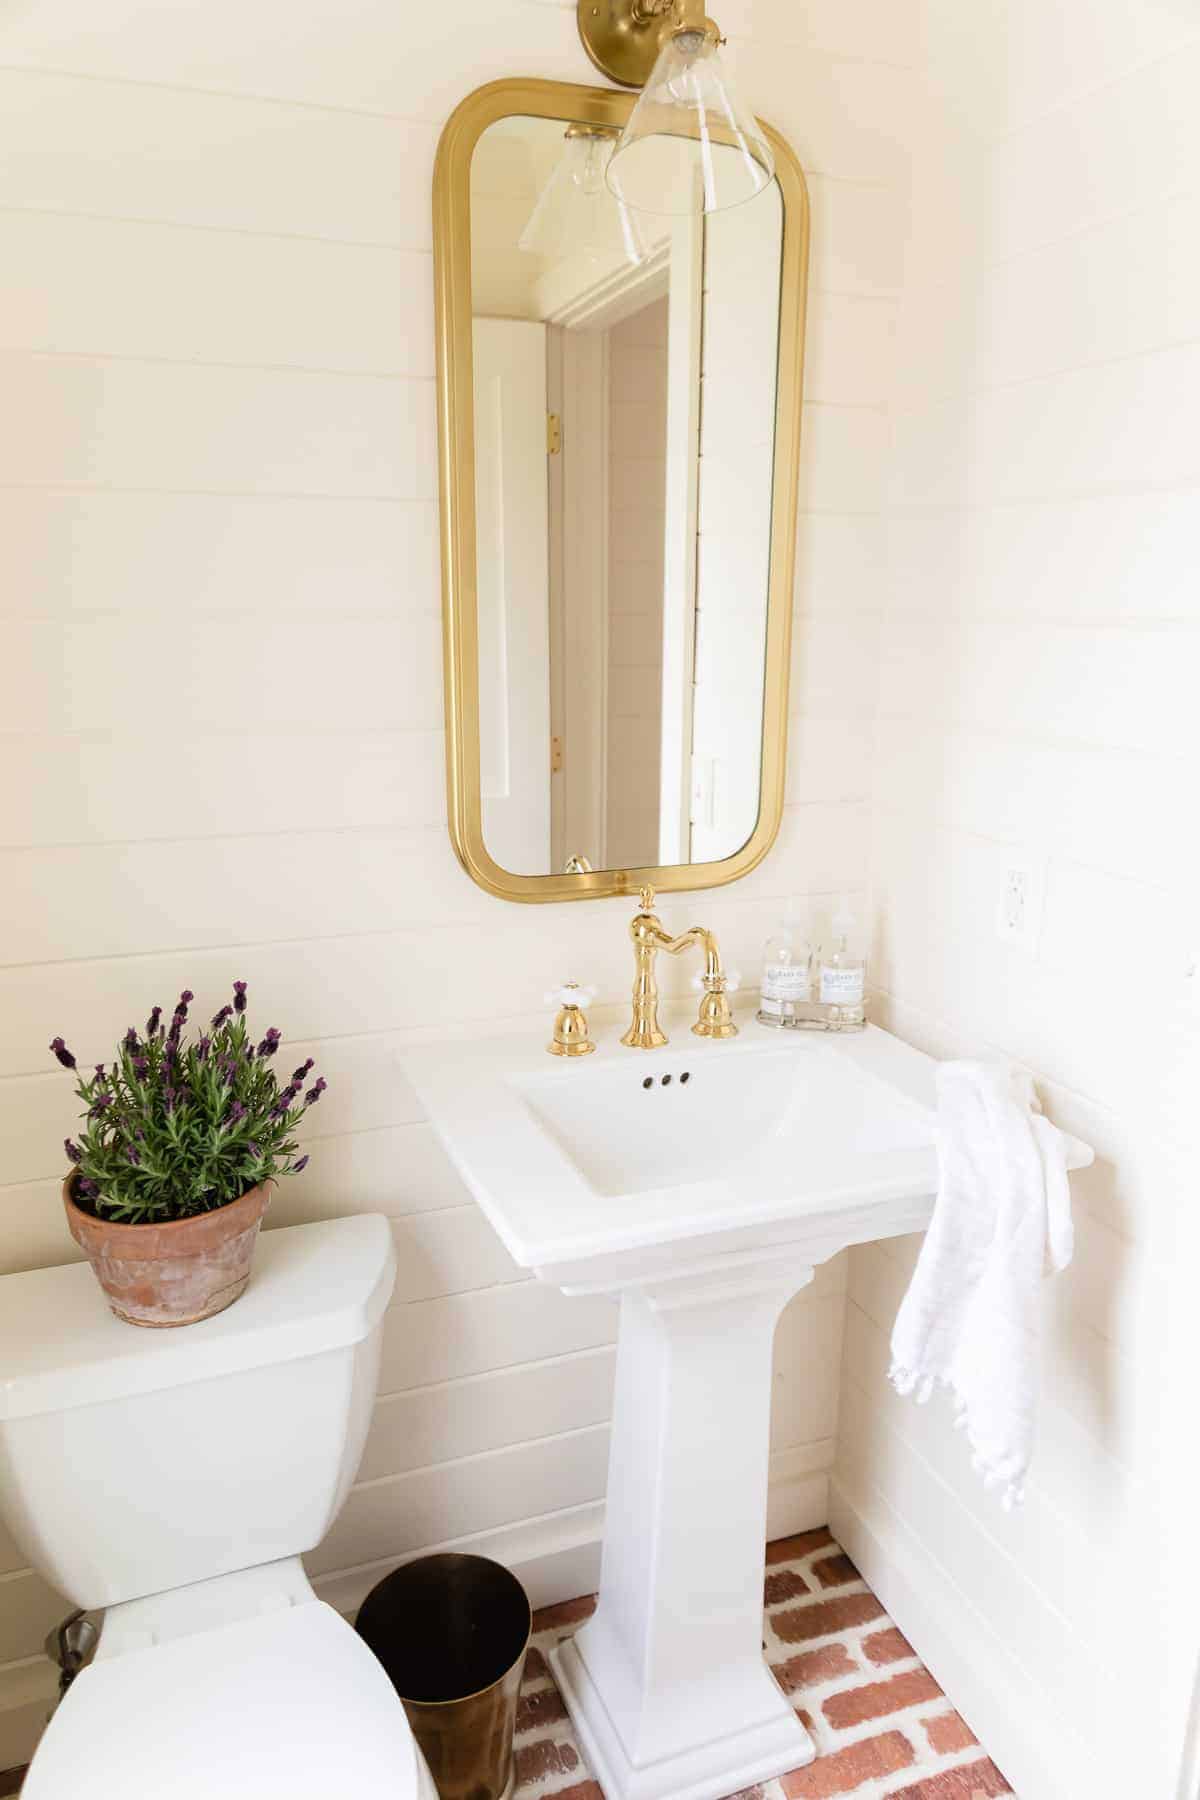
625	372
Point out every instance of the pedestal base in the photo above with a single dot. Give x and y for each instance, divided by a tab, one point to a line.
709	1771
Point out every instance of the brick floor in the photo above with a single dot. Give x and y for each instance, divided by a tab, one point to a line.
883	1727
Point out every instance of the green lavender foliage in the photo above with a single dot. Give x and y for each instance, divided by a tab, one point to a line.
172	1128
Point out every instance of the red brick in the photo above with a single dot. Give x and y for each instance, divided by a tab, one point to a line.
887	1647
879	1698
567	1612
534	1711
972	1781
847	1769
784	1584
835	1571
813	1666
536	1666
582	1790
807	1622
803	1544
949	1732
538	1760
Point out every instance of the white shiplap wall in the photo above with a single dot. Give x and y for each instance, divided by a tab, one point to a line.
1038	682
220	684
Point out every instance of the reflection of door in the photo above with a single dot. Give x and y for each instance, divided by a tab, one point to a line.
512	577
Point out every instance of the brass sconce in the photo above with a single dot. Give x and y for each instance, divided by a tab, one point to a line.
689	145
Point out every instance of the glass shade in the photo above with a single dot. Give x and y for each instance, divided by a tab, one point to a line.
690	146
575	213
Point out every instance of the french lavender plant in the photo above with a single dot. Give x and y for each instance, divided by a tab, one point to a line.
173	1129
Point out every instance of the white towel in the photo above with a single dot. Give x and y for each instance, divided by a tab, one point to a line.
970	1317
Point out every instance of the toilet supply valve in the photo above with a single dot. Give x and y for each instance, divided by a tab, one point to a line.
69	1646
571	1037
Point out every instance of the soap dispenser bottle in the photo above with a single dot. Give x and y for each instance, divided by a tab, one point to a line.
842	977
786	989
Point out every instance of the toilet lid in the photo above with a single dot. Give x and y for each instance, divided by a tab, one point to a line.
290	1704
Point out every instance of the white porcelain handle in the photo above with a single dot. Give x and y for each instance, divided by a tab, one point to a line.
570	994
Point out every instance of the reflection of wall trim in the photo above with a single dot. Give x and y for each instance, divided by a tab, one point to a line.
617	294
456	453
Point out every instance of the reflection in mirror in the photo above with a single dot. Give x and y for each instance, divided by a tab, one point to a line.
625	395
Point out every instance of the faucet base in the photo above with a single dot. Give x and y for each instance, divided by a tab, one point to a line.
645	1037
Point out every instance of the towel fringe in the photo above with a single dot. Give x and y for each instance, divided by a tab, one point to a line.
921	1386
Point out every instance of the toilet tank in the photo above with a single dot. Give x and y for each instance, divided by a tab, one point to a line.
136	1460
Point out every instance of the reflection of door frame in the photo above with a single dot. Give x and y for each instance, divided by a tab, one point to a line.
685	334
580	327
577	355
578	490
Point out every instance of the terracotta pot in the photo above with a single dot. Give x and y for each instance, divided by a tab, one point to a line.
177	1273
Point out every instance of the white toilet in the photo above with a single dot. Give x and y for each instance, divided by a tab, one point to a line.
174	1478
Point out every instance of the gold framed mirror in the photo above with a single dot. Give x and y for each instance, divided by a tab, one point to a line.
619	404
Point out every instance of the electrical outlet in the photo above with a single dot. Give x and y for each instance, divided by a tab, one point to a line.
1018	906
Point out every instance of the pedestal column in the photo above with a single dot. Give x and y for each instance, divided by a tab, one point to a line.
666	1683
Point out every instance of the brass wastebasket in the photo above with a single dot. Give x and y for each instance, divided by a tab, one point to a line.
452	1632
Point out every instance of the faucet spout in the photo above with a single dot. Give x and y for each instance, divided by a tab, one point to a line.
649	936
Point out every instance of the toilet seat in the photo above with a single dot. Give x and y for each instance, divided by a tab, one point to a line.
289	1704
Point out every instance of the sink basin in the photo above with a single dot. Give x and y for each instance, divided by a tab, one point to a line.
751	1121
699	1184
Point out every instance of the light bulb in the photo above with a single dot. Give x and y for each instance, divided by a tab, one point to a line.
588	175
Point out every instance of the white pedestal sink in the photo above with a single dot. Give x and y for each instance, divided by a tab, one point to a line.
701	1184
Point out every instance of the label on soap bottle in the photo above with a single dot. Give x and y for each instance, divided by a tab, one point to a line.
841	987
785	981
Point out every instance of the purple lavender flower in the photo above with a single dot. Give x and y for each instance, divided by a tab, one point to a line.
152	1021
315	1091
74	1153
62	1053
286	1098
185	1000
253	1148
85	1189
219	1018
130	1039
172	1099
133	1154
297	1166
99	1105
141	1068
239	996
227	1067
202	1049
170	1049
270	1043
237	1113
299	1074
100	1075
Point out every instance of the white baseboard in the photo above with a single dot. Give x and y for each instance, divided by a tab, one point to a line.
557	1557
1004	1706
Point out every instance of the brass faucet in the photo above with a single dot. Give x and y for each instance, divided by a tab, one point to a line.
649	937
